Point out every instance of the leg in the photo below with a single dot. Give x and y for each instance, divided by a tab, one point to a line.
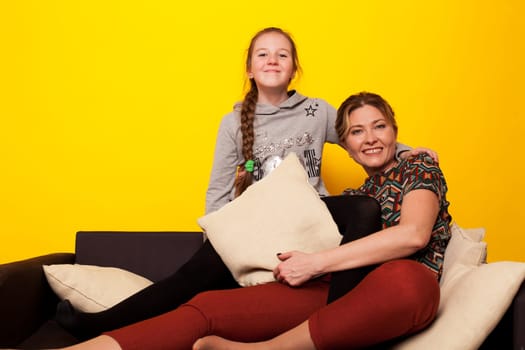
102	342
244	314
204	271
398	298
356	217
297	338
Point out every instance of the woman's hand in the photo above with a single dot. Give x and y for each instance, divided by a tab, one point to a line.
296	268
418	150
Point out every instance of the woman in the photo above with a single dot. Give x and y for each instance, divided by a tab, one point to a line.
400	296
270	123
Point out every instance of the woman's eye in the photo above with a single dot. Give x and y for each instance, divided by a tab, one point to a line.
380	126
356	132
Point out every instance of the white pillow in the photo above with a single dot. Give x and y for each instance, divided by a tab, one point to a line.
465	247
93	288
474	295
281	212
473	300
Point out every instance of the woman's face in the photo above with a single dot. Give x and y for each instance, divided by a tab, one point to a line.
371	139
272	64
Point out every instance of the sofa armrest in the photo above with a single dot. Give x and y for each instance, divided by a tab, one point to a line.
508	333
26	300
518	306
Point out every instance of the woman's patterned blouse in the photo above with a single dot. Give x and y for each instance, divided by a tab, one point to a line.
389	188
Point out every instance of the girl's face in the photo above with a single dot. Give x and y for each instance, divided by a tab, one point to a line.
371	140
272	62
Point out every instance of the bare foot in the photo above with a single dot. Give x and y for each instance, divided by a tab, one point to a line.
213	342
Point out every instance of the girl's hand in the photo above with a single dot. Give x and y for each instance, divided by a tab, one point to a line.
418	150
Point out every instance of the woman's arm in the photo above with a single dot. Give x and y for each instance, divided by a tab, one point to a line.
418	216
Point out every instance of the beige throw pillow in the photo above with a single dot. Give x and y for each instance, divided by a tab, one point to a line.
474	295
466	247
93	288
281	212
473	300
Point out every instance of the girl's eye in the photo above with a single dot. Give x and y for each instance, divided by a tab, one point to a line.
261	54
283	55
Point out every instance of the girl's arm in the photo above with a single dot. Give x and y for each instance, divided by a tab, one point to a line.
224	168
403	152
418	216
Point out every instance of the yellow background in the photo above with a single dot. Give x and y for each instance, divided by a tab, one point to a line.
109	109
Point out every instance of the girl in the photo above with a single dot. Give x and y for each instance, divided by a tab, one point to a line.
252	140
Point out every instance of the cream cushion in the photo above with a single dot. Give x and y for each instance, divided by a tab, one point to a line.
281	212
474	295
93	288
473	301
466	247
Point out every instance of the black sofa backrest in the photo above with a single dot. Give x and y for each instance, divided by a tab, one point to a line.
154	255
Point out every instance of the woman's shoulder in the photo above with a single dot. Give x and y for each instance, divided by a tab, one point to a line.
423	172
421	168
422	160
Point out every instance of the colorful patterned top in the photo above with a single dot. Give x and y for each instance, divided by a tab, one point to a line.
389	188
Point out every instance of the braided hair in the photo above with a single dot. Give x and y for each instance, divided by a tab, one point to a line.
245	178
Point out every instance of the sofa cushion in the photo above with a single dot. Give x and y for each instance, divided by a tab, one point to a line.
93	288
465	247
473	300
281	212
474	295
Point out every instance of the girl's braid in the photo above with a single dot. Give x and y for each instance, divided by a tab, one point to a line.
245	178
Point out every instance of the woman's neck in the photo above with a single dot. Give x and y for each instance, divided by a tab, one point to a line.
381	170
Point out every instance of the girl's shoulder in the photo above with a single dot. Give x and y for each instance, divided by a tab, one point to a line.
318	100
230	120
316	106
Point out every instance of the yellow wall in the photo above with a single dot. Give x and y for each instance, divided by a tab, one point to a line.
109	109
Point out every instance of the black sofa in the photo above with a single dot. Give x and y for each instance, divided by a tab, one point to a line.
27	304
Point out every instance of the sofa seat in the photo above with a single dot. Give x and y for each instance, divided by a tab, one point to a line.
27	302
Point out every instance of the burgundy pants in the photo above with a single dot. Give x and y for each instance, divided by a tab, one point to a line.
396	299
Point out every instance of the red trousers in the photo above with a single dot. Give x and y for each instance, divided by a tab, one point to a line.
398	298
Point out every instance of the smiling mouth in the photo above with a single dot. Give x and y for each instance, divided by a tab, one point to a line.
372	151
